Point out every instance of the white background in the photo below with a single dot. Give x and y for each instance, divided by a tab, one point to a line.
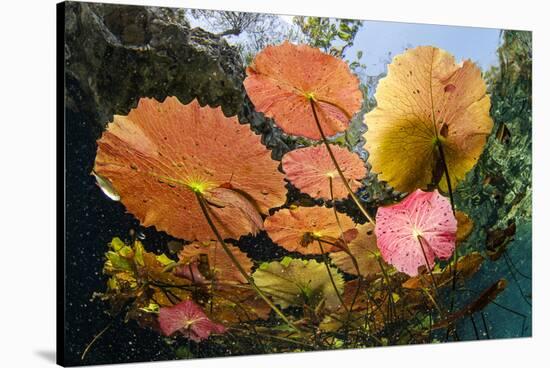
27	193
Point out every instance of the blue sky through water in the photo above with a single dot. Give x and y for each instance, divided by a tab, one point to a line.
379	39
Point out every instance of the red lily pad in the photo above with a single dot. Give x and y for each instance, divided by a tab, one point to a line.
188	319
422	221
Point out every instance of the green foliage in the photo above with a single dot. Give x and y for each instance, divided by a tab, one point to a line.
295	282
183	352
333	36
134	275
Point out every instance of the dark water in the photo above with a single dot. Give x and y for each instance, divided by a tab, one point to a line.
92	220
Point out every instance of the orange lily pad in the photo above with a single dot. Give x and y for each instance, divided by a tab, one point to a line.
311	170
162	153
283	80
249	217
300	229
427	100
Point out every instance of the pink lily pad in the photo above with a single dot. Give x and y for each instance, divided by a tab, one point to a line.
188	319
422	218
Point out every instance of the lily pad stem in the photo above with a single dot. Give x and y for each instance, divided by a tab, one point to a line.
325	261
203	206
337	166
346	249
451	198
420	239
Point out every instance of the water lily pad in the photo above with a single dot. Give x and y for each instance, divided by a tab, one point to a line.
214	263
295	282
299	229
466	267
427	100
365	251
162	154
311	170
283	80
188	319
421	221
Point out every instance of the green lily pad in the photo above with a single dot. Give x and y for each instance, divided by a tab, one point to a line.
295	282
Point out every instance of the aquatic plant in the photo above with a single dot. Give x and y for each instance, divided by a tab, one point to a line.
309	94
301	229
188	319
413	232
364	248
170	158
162	154
431	121
204	178
311	170
466	267
283	80
295	282
219	265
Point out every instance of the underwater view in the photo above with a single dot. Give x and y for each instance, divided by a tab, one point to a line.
244	183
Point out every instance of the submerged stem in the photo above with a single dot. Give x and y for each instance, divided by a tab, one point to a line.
325	260
274	337
230	254
451	198
337	166
345	248
436	297
419	238
96	337
388	286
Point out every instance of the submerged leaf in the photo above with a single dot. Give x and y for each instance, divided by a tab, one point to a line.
162	154
364	249
420	227
188	319
213	261
295	282
233	304
311	170
283	80
301	229
498	239
427	100
466	267
465	226
136	275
